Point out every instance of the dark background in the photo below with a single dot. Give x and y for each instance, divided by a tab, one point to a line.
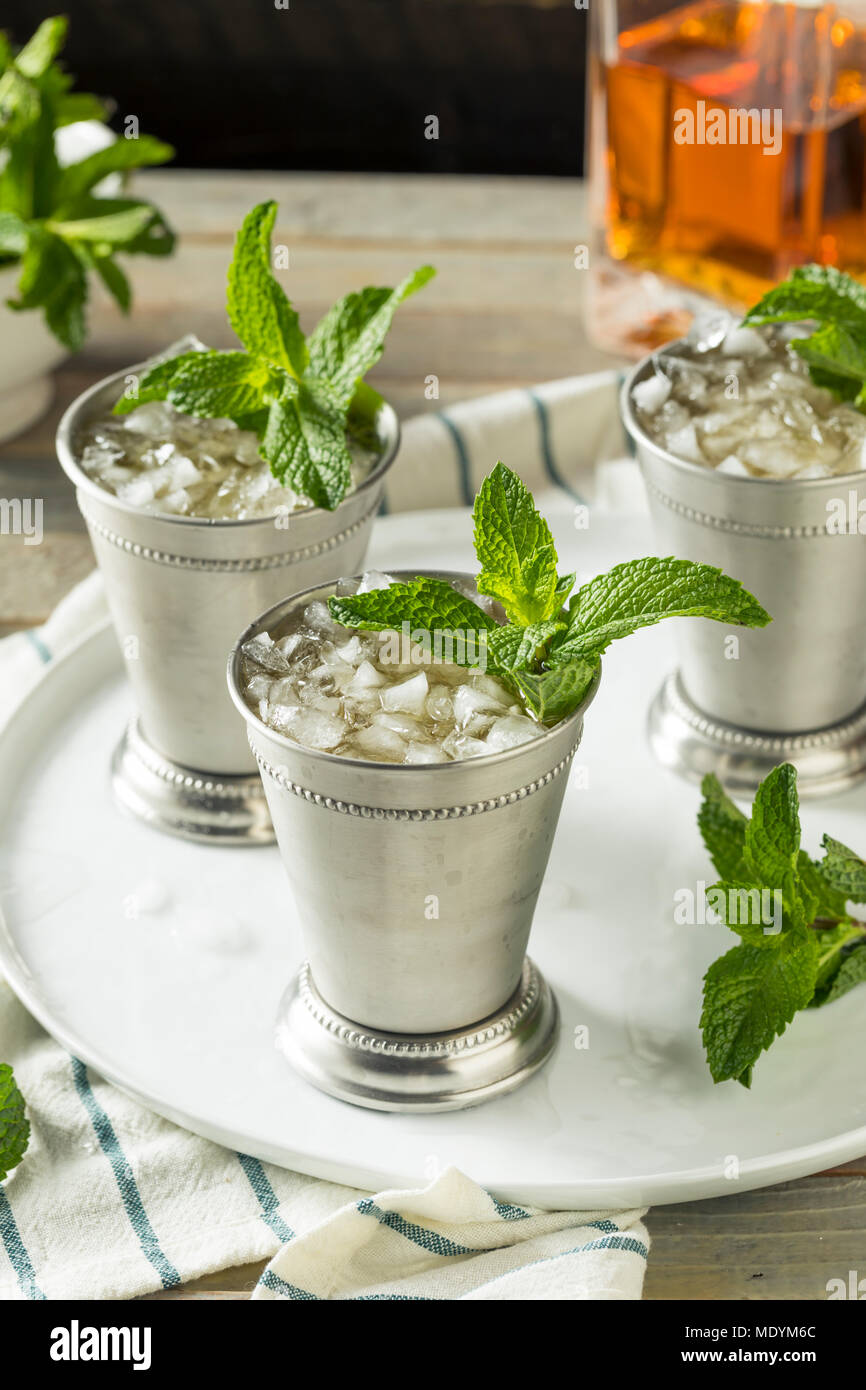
337	84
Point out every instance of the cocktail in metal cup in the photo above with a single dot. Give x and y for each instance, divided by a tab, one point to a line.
415	887
794	691
178	589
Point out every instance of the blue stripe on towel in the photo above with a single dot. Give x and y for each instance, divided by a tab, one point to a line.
619	1242
277	1285
267	1197
36	641
466	489
124	1178
419	1235
508	1211
17	1251
547	451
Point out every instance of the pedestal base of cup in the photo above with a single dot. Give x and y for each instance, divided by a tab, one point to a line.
415	1072
208	807
692	743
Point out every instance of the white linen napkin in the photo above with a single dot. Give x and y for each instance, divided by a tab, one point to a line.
111	1201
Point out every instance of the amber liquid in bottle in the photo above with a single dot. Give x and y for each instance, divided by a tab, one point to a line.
728	220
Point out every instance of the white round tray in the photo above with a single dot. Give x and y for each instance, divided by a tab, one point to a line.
176	1003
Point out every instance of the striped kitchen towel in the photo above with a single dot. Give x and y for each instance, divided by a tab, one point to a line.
111	1201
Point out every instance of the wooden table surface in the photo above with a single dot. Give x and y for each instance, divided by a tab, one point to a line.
505	310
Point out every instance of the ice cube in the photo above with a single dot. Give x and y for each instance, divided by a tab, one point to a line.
154	418
742	341
259	687
734	466
317	730
651	394
813	470
439	704
423	753
511	731
382	744
407	697
262	651
246	448
175	503
366	677
708	329
406	725
469	700
338	673
684	443
460	746
373	579
317	616
351	651
139	492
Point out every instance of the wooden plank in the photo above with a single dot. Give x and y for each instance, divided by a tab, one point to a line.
782	1242
384	209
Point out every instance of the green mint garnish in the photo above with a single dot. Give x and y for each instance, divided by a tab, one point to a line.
753	992
836	303
296	394
14	1128
546	652
53	222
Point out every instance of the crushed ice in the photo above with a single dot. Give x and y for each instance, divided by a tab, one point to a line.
337	691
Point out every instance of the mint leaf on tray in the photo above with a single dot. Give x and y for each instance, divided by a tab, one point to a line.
810	953
14	1128
299	396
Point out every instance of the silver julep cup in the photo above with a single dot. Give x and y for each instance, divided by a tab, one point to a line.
178	589
794	691
415	887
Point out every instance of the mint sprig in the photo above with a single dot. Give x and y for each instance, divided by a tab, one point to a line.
548	650
53	223
752	993
14	1127
836	348
296	394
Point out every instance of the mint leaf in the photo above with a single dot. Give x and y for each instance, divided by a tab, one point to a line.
819	292
350	338
42	48
772	838
746	909
79	106
111	228
552	695
723	829
258	309
828	901
114	281
834	946
117	158
642	592
832	349
844	870
305	443
218	385
515	549
750	996
836	349
513	646
428	605
155	384
14	235
851	972
14	1128
53	277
